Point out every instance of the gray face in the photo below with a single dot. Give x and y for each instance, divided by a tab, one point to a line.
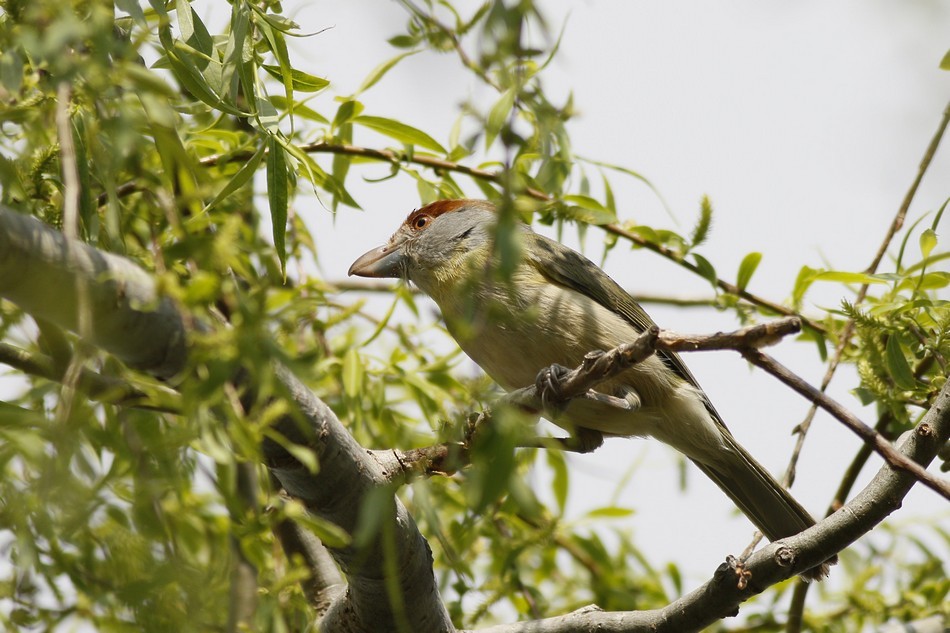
432	238
447	238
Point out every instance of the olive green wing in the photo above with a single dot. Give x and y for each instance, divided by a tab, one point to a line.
566	267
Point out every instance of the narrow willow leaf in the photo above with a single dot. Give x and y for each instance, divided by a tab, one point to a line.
609	512
352	373
928	240
234	50
242	177
804	280
945	62
400	131
706	269
192	28
280	102
191	79
498	115
897	365
588	210
277	196
851	278
346	112
746	269
559	483
301	81
278	46
304	455
380	71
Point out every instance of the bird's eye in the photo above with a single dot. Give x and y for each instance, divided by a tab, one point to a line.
421	222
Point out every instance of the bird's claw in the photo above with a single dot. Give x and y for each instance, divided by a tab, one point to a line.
548	386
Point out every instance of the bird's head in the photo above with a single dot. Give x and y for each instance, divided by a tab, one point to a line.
436	245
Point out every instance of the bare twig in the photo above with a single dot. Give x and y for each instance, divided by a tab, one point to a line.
862	430
439	164
363	285
579	382
104	389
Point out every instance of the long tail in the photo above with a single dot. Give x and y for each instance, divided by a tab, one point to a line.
767	504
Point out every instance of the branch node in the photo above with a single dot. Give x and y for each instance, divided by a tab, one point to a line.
784	556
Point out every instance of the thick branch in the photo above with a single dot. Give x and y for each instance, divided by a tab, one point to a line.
41	271
349	483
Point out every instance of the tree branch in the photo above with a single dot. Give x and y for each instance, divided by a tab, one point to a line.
597	367
396	158
363	285
862	430
41	271
720	597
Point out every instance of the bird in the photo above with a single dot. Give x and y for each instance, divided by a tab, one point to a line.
552	308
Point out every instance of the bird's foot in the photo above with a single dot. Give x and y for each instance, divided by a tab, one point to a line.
548	386
582	441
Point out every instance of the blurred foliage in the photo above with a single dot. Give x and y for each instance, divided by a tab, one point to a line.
128	519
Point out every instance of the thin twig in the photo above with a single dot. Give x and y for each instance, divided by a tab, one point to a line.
597	367
877	441
361	285
104	389
438	164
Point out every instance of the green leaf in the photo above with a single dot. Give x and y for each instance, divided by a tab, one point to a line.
746	269
301	81
352	373
304	455
588	210
193	31
609	512
277	196
400	131
934	281
850	278
804	280
380	71
897	365
701	230
280	102
928	240
559	484
347	111
191	79
242	177
706	269
945	62
498	115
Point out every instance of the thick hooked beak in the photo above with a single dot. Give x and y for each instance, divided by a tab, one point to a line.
384	261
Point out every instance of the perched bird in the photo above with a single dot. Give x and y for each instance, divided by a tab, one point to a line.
555	307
